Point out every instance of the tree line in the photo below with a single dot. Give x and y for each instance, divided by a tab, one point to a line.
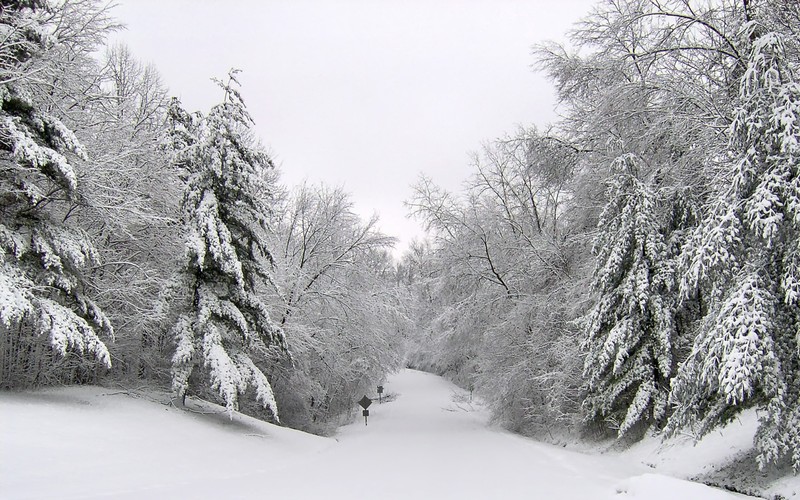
633	267
144	243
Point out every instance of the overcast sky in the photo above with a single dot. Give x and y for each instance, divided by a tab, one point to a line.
362	94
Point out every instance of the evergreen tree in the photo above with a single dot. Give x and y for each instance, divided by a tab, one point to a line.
42	258
226	203
629	331
743	261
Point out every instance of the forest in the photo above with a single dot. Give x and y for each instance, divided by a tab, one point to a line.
632	268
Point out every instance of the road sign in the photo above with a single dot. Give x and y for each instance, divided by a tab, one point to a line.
365	402
380	392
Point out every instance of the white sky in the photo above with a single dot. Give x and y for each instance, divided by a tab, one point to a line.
364	94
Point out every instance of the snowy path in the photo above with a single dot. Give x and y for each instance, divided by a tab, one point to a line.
425	445
79	444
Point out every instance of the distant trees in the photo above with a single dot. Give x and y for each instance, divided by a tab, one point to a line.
494	292
340	307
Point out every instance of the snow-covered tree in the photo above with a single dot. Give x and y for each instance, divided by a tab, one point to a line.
129	193
226	205
630	330
43	259
656	80
743	262
130	206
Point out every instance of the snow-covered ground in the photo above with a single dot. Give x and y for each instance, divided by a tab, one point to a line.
429	442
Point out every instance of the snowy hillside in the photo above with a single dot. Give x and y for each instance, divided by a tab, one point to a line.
428	442
90	442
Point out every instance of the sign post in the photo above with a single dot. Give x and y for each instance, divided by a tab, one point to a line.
365	402
380	392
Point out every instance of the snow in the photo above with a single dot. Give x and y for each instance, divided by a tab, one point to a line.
657	487
14	295
89	442
429	441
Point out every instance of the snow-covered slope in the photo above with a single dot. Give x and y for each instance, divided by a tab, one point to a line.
429	442
725	457
91	442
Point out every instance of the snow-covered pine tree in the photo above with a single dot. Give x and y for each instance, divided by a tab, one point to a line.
226	203
743	261
629	331
42	258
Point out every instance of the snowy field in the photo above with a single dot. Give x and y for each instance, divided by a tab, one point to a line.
429	442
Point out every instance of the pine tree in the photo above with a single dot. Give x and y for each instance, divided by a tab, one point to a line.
629	331
743	261
225	209
42	258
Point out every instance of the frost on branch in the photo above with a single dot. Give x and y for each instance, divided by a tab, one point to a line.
734	358
215	237
712	252
743	347
38	141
